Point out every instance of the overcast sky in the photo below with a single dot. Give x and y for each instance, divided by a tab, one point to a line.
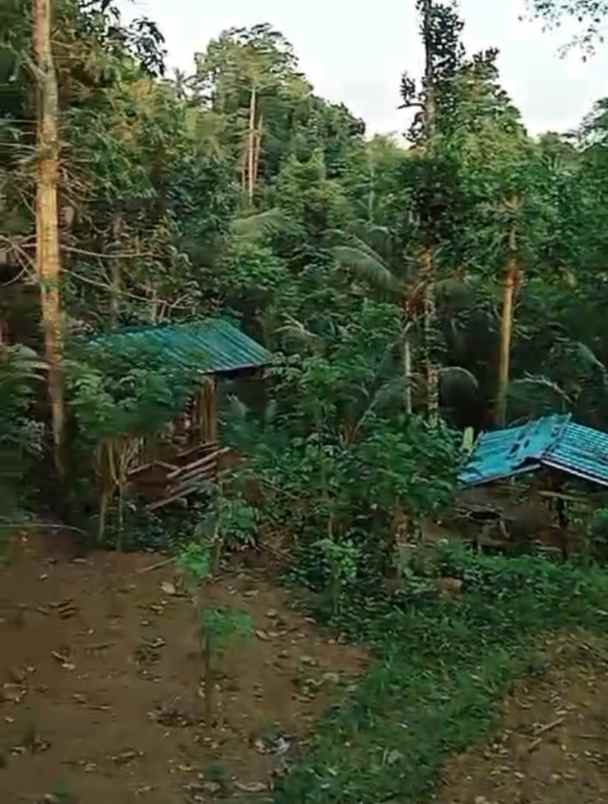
356	52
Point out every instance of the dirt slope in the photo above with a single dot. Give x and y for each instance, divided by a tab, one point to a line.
98	672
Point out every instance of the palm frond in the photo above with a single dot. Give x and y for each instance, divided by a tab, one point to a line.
298	332
368	265
586	356
540	383
456	376
262	224
19	363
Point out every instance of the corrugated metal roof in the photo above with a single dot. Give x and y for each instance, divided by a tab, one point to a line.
505	453
581	451
213	346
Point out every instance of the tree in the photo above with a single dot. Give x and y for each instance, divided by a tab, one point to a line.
250	76
440	29
588	13
48	260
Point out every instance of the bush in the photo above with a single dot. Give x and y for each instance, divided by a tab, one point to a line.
598	534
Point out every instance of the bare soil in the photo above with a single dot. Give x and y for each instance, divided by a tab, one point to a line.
99	682
552	743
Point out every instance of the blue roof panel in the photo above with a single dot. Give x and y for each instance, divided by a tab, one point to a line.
581	451
505	453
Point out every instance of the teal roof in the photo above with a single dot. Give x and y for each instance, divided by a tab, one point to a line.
213	346
554	441
581	451
505	453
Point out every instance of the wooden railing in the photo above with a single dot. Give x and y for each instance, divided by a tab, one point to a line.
162	483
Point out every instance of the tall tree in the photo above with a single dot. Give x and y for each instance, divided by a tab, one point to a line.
48	260
250	76
440	28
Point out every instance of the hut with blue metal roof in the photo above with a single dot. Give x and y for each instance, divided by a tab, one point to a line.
559	448
553	442
209	350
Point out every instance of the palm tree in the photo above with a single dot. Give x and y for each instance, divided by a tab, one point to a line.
376	256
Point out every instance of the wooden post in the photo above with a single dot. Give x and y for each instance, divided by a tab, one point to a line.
208	410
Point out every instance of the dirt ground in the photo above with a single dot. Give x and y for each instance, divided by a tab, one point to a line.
98	680
552	744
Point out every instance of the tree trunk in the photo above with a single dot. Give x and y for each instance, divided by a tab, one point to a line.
430	307
511	281
116	279
115	294
48	263
251	144
430	105
430	328
407	364
257	151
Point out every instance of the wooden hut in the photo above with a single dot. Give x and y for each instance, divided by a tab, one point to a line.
164	470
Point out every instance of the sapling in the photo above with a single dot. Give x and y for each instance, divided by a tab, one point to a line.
342	559
214	626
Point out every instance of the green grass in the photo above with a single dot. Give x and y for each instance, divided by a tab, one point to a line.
441	671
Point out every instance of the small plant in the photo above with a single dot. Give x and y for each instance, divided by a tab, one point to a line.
598	533
218	774
60	795
232	524
215	626
342	560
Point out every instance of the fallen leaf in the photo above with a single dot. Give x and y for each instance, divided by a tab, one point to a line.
262	635
253	787
168	588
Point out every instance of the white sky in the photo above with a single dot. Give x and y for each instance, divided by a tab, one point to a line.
355	52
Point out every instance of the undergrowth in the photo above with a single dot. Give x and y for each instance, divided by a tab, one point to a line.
441	668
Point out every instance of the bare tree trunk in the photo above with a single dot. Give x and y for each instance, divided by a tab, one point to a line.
511	282
407	371
48	263
407	362
116	280
430	328
251	144
430	305
257	151
115	294
430	105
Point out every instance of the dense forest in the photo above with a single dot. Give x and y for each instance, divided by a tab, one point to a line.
408	291
458	280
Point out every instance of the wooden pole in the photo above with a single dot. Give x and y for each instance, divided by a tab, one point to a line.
48	261
209	411
510	284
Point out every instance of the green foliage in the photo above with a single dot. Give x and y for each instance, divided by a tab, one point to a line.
588	13
194	562
442	670
238	522
598	534
223	624
342	559
114	394
21	434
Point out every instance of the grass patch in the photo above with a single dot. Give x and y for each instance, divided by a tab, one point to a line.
442	669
